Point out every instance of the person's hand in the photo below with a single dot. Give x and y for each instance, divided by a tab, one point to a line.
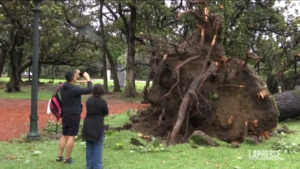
86	76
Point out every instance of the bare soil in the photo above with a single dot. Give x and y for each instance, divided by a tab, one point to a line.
14	114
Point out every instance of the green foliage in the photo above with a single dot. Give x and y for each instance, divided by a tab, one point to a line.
286	147
52	126
131	112
152	147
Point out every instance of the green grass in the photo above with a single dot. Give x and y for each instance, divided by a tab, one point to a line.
118	153
117	120
45	91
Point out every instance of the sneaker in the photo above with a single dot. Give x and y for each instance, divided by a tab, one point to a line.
69	161
59	159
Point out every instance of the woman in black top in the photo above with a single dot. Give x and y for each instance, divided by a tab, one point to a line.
93	127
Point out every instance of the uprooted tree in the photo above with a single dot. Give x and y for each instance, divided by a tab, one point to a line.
197	89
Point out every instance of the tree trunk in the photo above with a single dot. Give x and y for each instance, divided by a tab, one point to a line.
272	83
104	47
24	67
130	90
113	71
14	82
288	104
104	70
17	40
106	50
29	77
2	61
8	70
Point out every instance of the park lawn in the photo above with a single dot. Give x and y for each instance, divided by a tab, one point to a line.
46	90
118	153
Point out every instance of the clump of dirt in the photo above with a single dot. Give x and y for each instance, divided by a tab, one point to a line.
196	87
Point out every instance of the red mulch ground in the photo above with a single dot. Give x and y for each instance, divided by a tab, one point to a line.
14	115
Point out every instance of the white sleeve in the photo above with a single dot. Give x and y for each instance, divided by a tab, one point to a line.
48	107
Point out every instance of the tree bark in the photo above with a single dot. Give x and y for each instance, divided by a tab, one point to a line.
15	59
113	71
130	27
108	54
288	104
2	61
14	82
104	69
272	83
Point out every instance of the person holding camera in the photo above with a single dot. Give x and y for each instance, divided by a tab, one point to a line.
93	127
71	111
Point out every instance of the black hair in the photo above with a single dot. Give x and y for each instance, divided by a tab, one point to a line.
98	90
70	75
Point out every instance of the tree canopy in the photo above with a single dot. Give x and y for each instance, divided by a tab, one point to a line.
133	32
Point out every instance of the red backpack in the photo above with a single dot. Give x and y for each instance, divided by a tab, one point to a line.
55	105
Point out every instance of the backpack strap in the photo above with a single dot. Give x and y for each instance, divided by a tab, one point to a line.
58	88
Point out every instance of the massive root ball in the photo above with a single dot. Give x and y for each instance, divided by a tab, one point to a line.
195	87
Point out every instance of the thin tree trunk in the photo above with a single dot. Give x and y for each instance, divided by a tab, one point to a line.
104	68
52	73
29	76
295	66
2	61
117	87
104	71
113	71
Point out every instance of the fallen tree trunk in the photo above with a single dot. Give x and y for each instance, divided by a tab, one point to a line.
288	104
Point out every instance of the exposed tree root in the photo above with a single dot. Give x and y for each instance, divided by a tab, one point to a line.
196	87
187	97
206	137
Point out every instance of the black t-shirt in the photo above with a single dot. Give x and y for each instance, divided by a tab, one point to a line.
71	97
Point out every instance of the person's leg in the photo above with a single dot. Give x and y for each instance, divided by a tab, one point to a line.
62	141
69	146
73	129
97	153
62	144
89	154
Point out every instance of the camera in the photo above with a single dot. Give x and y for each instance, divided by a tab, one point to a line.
81	74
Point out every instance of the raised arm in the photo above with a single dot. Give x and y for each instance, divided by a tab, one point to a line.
89	88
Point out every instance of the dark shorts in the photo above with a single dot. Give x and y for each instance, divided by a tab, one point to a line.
70	124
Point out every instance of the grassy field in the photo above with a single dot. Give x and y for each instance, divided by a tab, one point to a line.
46	90
119	153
